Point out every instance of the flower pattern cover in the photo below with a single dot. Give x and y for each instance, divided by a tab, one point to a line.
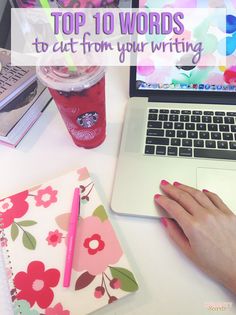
34	235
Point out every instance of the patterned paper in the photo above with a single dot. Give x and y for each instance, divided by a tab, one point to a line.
35	225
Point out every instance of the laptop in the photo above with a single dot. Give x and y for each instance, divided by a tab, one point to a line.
177	131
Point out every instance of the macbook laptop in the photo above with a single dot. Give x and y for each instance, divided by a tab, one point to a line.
178	129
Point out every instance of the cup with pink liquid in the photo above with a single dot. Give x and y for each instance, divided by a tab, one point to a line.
80	98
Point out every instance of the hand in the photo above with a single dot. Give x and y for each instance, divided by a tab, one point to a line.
204	228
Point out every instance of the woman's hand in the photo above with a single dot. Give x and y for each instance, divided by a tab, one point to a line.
204	228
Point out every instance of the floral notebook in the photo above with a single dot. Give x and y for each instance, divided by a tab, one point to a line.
34	237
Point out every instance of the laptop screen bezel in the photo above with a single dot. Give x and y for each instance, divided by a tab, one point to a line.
179	96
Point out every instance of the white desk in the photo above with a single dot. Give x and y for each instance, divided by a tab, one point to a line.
169	283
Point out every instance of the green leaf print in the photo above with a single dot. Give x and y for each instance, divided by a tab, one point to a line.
27	223
14	231
128	282
100	212
29	241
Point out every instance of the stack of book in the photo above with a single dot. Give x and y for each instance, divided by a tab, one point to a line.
22	100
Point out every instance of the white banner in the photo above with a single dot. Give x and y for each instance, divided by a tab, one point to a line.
119	37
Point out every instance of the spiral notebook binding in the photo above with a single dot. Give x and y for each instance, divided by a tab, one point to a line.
7	260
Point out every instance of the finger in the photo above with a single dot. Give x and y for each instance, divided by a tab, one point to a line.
198	195
181	197
176	211
217	201
177	236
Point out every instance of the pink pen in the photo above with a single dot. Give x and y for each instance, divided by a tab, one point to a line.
75	212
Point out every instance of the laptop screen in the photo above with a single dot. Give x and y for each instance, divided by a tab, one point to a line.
5	19
5	24
194	78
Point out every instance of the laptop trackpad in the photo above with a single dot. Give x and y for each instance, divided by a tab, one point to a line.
221	182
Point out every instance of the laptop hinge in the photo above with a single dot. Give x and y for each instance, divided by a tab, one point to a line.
172	99
193	99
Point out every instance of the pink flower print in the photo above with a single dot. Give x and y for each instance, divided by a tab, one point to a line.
56	310
46	197
83	173
35	285
13	207
6	204
3	242
96	246
54	238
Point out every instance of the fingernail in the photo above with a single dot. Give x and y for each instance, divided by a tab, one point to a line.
164	222
164	182
177	184
157	196
205	190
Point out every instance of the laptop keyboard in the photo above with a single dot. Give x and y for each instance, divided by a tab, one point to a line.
191	133
9	75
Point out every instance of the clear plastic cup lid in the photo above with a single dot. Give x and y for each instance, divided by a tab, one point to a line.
65	79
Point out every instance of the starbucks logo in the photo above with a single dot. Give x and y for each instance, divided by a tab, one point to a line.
88	120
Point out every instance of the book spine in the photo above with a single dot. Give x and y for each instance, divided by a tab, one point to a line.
7	261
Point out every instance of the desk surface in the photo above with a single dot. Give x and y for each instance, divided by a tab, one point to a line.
169	283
